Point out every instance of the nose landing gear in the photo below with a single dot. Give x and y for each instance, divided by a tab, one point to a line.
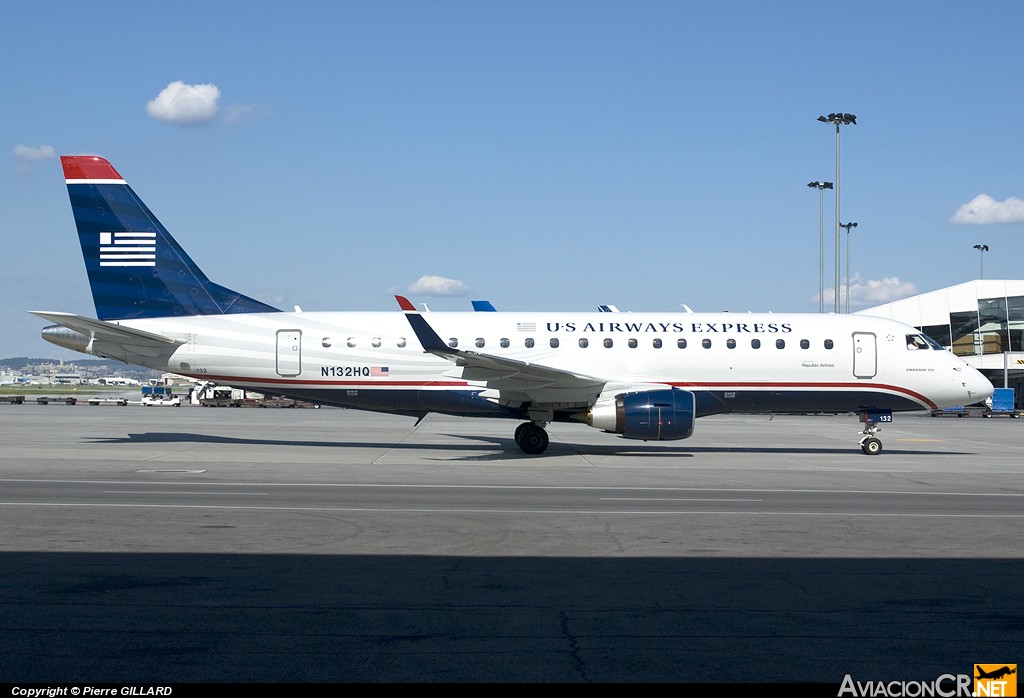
870	444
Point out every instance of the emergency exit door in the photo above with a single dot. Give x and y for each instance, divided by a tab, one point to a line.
865	356
289	352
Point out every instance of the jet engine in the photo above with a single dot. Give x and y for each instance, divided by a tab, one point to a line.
649	415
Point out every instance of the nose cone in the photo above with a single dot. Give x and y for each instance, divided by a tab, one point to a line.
978	386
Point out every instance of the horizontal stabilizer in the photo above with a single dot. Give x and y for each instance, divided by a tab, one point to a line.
106	331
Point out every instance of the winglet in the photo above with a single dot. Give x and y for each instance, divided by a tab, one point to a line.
432	343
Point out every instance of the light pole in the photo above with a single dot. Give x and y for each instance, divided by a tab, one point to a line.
847	226
839	120
821	187
982	249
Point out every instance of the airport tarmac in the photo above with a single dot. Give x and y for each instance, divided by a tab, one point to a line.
191	544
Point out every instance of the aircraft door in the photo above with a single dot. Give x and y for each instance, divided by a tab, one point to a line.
865	356
289	352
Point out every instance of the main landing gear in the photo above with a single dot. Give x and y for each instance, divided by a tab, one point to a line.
869	442
531	437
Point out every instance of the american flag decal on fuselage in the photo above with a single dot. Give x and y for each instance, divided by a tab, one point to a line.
127	249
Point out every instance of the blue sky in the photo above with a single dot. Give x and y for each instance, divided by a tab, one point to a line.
542	155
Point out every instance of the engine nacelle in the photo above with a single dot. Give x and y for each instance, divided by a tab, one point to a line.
650	415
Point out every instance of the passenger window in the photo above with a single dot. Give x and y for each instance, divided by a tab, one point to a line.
326	342
608	344
375	341
731	343
706	343
401	342
553	342
529	342
480	342
829	344
584	343
804	344
351	342
755	344
453	343
632	343
681	343
504	343
780	344
657	343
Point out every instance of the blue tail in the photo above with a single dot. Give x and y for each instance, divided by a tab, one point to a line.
136	269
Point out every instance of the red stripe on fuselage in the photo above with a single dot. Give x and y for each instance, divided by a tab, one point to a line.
296	381
831	386
388	383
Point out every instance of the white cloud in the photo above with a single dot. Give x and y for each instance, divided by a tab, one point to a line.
186	105
438	286
876	292
237	113
983	209
29	153
870	292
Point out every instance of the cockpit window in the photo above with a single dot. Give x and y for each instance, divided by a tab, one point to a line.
916	341
933	344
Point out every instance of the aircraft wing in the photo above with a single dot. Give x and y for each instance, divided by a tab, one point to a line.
509	380
107	332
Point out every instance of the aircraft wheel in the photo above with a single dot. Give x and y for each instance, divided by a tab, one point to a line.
532	439
871	447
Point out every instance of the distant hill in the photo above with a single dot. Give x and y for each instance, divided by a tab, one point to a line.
26	364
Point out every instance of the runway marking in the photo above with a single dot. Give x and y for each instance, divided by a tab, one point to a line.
675	499
238	494
542	488
188	472
517	512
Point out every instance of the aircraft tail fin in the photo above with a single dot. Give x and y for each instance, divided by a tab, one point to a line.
136	269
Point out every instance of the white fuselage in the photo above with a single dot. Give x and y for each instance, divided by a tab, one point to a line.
732	362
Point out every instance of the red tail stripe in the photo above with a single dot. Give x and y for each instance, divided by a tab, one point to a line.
87	167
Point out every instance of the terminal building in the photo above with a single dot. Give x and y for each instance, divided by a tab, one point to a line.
981	321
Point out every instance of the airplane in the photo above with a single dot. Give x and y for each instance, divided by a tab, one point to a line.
648	376
996	673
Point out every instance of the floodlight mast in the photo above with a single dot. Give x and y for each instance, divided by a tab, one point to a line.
982	249
838	119
821	187
847	226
